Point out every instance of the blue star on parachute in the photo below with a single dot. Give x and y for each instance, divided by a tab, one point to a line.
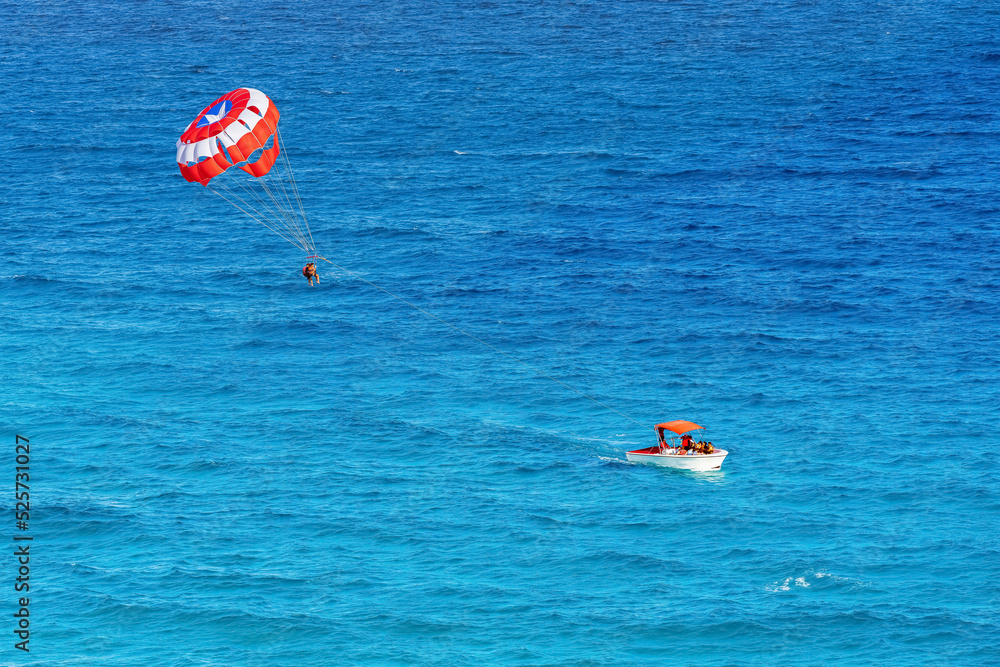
215	114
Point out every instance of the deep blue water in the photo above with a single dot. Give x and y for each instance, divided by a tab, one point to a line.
778	219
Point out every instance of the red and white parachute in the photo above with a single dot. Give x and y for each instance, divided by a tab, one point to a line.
240	129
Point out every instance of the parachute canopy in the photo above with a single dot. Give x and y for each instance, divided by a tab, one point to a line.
238	123
240	129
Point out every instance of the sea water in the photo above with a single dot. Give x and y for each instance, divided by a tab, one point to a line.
776	219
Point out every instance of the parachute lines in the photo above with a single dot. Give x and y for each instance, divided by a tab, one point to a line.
266	199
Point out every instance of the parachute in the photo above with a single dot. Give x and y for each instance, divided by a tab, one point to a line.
239	133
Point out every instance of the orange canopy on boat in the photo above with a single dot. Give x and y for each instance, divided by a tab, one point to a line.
679	426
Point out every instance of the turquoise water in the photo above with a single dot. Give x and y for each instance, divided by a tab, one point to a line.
779	220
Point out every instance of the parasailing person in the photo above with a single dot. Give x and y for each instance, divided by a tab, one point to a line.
240	129
309	271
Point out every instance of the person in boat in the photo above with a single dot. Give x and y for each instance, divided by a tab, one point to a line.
708	448
686	442
309	271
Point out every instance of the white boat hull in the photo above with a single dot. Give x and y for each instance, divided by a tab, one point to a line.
698	462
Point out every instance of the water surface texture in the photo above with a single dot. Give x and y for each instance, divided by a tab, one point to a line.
776	219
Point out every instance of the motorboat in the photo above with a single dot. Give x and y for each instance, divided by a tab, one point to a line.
676	451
